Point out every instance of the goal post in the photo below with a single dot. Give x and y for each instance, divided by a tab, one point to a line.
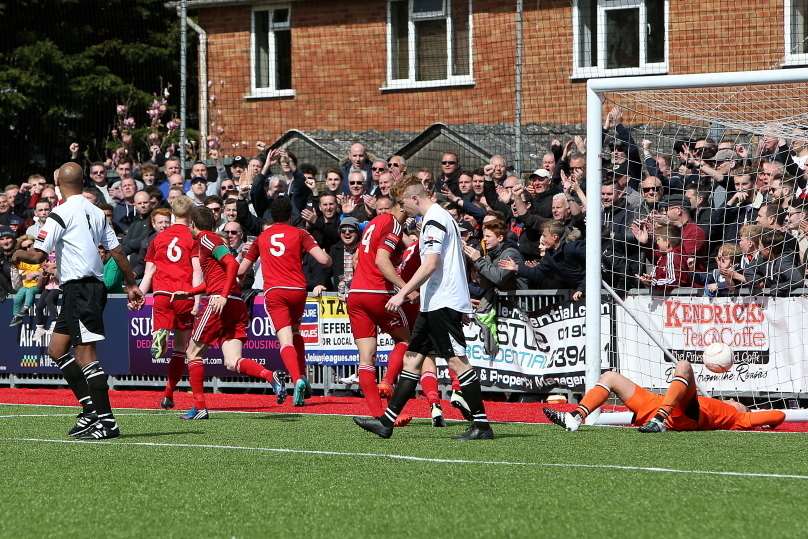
741	125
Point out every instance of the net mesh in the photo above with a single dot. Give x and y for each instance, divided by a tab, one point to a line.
704	236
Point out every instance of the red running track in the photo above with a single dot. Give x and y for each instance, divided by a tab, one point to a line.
349	406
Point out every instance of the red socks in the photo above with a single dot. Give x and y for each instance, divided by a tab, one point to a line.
300	348
367	382
196	376
455	381
395	362
252	368
429	385
290	361
176	366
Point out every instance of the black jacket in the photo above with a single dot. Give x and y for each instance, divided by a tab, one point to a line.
139	229
563	266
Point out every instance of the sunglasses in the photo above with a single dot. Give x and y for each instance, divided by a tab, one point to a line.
394	165
378	169
448	162
650	189
347	230
356	183
232	232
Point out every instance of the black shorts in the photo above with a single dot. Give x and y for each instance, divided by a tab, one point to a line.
438	333
82	314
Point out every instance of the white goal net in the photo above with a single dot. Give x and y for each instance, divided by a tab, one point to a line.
703	226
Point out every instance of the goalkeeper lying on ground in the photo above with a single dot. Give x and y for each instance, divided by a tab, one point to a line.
679	409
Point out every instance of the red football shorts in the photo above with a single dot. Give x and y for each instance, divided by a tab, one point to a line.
285	306
366	312
167	314
411	311
231	323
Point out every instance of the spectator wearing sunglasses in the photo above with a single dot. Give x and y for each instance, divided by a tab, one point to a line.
397	166
377	169
449	173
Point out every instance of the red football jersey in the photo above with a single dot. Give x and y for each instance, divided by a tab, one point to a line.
410	261
281	248
383	232
171	251
212	248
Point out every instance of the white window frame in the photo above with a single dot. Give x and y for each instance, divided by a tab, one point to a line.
645	68
410	83
789	58
269	91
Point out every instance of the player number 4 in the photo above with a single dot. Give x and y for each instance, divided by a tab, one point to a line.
366	237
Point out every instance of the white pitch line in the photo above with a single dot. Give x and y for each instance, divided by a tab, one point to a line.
170	413
12	416
428	460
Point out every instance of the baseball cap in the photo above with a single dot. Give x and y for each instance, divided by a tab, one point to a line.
349	222
6	232
725	155
465	226
541	173
239	161
15	220
675	200
198	179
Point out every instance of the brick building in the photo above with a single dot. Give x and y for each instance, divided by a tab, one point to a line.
404	66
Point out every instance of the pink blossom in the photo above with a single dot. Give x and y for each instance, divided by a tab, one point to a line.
129	122
121	110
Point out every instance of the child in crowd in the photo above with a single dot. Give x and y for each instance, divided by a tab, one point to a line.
29	285
148	173
753	266
48	297
670	266
719	281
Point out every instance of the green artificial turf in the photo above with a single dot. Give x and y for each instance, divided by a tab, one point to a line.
184	481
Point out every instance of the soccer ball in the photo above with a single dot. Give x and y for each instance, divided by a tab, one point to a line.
718	357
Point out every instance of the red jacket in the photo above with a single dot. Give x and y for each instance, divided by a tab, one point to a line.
671	271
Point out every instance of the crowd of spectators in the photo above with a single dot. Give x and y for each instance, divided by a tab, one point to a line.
715	215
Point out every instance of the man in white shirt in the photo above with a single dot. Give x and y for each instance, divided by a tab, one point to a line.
438	330
74	230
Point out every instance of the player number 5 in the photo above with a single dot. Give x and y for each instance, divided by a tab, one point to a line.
174	252
276	247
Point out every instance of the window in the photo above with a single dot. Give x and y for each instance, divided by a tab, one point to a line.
428	43
619	37
796	32
271	57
